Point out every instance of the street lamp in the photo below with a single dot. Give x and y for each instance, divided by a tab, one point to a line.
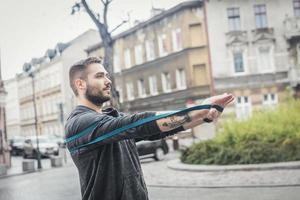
3	136
29	70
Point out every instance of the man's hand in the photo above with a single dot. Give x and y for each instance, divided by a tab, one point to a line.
220	100
195	117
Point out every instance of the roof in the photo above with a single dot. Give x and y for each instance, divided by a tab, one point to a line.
154	19
62	46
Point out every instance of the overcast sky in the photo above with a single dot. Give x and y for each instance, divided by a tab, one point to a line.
29	27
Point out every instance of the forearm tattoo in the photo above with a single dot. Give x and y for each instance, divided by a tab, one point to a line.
177	121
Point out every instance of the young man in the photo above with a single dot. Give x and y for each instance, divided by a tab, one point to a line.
109	169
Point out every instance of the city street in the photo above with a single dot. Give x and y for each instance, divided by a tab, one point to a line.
163	184
218	81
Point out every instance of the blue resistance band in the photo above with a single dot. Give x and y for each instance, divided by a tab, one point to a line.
133	125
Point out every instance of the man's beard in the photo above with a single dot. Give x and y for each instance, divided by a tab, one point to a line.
97	99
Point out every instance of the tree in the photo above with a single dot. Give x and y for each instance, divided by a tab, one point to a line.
101	23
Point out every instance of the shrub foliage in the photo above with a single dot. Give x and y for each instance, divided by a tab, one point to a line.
270	135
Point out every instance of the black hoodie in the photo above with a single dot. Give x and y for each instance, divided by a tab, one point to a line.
110	169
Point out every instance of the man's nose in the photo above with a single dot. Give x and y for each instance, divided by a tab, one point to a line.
108	81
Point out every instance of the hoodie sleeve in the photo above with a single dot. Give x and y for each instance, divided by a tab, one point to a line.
88	126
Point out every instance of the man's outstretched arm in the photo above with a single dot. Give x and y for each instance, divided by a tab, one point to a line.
89	126
196	117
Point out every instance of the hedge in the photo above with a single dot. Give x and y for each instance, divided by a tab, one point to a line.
271	135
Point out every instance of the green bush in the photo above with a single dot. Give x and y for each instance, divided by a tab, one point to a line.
270	135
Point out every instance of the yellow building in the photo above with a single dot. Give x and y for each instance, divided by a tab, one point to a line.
162	63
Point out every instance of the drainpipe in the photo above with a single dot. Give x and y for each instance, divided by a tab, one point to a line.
212	85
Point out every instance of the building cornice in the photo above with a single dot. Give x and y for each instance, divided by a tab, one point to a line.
159	59
150	21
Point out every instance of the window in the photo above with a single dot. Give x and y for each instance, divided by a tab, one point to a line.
297	8
243	107
234	20
162	45
30	112
141	88
117	65
127	58
265	59
176	40
52	105
48	107
130	91
180	79
166	82
153	85
138	52
150	55
120	93
56	78
238	62
270	99
197	35
260	16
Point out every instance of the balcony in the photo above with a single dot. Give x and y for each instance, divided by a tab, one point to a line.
234	37
291	27
263	34
294	76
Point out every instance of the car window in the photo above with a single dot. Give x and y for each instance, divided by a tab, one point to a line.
19	140
28	141
42	140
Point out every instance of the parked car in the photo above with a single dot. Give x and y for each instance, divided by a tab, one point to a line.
156	149
57	139
17	143
46	147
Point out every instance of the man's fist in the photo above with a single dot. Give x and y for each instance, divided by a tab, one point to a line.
220	100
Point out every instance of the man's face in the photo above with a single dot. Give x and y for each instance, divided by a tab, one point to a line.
98	84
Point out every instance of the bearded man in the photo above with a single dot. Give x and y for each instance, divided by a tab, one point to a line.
109	169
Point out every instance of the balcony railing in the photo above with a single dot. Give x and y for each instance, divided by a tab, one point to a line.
294	76
236	37
292	27
263	34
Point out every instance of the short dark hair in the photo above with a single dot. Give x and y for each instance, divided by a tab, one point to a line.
78	70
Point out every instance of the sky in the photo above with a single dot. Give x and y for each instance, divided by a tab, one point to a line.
29	27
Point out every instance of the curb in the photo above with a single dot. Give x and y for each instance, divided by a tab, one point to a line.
32	172
222	186
178	165
22	173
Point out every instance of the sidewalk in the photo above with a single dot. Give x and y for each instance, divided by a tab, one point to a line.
172	173
160	175
16	168
176	164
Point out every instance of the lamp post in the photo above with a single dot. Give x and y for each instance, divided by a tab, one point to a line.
4	150
28	68
3	136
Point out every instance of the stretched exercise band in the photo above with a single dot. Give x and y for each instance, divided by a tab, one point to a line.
133	125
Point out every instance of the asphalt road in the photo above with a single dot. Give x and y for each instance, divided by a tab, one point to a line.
62	184
286	193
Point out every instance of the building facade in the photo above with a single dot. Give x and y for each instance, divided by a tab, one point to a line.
5	161
162	63
13	127
249	50
292	35
53	97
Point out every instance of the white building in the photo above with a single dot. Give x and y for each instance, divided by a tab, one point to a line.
12	108
54	99
248	50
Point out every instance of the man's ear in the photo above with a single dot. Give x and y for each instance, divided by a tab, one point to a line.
80	84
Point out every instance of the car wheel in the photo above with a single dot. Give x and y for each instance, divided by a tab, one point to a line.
24	155
14	153
159	154
35	155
